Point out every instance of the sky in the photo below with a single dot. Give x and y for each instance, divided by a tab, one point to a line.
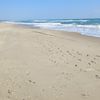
48	9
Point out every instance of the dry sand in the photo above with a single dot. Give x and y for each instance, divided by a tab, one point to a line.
40	64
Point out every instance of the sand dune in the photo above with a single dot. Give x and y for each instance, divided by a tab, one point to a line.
40	64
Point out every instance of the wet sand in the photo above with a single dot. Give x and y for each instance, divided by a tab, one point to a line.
41	64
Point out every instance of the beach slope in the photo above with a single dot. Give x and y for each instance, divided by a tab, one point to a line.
41	64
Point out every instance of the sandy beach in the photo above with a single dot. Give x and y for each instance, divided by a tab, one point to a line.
41	64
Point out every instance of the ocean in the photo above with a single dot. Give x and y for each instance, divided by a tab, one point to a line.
89	27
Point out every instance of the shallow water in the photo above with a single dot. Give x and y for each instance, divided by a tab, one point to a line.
90	27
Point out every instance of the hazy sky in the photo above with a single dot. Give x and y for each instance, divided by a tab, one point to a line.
43	9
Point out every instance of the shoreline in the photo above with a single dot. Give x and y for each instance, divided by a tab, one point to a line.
42	64
76	34
32	25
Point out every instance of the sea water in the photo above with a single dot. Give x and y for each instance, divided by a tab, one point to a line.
90	27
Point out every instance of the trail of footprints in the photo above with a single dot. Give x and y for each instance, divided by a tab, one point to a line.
59	56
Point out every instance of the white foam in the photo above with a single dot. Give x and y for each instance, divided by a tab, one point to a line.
90	30
76	20
40	21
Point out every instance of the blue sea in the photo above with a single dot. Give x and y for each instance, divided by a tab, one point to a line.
90	27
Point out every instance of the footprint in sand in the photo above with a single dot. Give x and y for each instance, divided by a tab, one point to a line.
84	95
87	55
79	53
89	63
79	60
76	65
9	92
97	55
93	62
94	58
30	81
97	76
67	75
69	53
55	62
